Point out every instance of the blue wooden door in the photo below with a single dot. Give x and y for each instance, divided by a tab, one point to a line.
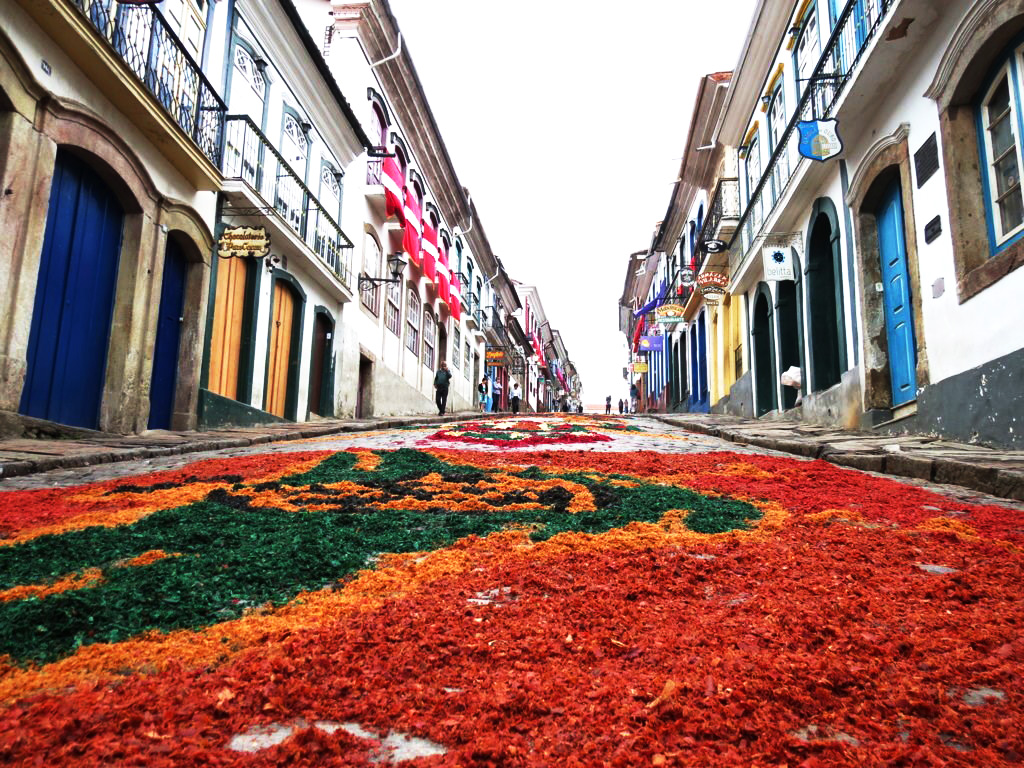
899	316
168	339
694	370
702	354
68	339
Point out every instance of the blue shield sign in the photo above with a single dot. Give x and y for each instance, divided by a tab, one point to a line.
819	139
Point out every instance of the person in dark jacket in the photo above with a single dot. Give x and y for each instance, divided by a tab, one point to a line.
442	379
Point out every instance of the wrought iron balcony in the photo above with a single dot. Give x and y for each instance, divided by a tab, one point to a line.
144	41
250	157
723	215
855	29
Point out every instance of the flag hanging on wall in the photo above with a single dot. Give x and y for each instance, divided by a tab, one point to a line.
411	240
428	249
443	274
455	302
392	181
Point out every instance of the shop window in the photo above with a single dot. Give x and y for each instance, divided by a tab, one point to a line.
412	320
999	114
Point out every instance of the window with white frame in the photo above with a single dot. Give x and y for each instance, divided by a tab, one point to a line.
752	166
465	358
808	47
1001	150
295	149
370	295
429	338
776	130
393	309
412	323
248	87
456	345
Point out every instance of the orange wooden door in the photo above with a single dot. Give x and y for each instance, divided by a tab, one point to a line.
226	341
280	349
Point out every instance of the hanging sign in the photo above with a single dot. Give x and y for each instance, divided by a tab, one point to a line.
651	344
778	263
244	241
686	276
496	357
819	139
712	286
714	246
640	367
669	314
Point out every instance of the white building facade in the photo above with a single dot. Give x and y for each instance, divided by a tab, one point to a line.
905	240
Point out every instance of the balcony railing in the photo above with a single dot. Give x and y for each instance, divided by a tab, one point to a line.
250	157
492	322
143	39
725	204
855	29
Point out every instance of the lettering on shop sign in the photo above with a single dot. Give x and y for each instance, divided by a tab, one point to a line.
244	241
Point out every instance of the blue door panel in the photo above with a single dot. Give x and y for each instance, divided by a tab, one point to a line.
68	339
899	322
168	339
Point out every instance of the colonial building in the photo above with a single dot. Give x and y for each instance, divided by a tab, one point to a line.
278	312
404	198
111	148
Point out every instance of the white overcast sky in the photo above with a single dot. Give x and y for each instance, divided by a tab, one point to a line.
566	119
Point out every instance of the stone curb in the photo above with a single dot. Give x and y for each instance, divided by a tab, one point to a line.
1004	483
106	455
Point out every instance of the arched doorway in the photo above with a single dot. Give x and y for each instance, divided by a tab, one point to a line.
826	325
321	395
281	393
74	301
791	337
164	381
232	321
899	313
764	353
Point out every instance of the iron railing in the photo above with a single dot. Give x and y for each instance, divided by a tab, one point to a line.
492	322
374	169
855	29
725	204
250	157
144	41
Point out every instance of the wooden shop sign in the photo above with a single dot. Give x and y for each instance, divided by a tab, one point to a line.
244	241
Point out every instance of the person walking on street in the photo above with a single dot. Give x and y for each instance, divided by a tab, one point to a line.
634	397
481	391
621	406
442	379
608	405
514	397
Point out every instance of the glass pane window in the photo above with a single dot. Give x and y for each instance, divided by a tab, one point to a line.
370	296
456	346
393	310
1002	152
412	328
429	337
808	47
465	356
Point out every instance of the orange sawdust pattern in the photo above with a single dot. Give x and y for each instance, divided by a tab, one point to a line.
147	558
397	576
95	505
87	578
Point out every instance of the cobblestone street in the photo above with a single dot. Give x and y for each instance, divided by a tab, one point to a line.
506	591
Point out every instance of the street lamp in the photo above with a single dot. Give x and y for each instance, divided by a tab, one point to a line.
396	265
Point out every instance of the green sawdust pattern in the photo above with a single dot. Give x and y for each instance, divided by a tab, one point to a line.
234	555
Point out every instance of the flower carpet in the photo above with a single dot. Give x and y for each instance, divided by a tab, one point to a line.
471	597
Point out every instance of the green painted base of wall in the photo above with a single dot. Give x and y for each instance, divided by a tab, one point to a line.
219	411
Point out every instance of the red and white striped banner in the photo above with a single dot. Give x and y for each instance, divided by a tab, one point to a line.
444	275
393	183
428	248
413	225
